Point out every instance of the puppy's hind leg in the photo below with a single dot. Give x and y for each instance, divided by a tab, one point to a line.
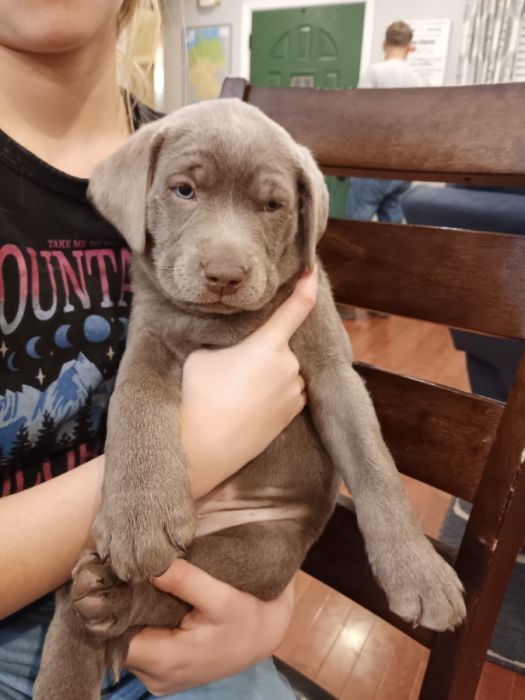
258	558
114	611
147	607
73	659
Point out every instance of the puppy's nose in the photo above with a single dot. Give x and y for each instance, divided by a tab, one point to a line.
222	278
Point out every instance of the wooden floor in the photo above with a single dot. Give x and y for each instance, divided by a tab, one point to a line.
343	647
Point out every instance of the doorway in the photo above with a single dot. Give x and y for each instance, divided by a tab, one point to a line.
310	46
316	46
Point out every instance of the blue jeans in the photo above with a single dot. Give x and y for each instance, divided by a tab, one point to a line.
22	636
368	197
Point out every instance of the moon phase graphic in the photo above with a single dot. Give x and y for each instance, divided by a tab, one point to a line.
61	338
96	329
11	362
31	347
124	320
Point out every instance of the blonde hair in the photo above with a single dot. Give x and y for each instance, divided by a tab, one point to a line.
139	27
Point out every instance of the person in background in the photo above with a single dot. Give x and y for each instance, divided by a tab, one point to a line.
65	295
368	197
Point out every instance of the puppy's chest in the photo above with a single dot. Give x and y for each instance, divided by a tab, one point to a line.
184	334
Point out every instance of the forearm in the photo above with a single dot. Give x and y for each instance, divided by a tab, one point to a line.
44	529
207	471
42	532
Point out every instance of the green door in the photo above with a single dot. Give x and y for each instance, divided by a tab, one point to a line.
309	47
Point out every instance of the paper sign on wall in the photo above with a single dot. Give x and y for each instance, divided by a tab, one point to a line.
208	61
431	37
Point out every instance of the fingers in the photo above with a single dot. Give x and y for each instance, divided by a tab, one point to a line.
302	398
194	586
143	654
301	403
290	315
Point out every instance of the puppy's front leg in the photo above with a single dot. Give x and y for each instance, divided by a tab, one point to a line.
146	518
421	587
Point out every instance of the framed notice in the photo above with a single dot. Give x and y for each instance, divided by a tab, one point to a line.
208	61
431	37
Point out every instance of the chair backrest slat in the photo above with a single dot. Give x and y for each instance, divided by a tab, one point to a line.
469	280
403	133
437	435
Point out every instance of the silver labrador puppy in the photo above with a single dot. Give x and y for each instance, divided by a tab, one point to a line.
223	211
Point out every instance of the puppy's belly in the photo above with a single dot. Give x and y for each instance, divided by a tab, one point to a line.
293	479
223	508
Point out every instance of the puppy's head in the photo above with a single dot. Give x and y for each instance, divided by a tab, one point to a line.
219	202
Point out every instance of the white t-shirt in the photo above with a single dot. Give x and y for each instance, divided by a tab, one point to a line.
394	73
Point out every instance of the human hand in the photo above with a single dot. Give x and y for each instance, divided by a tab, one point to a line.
236	400
226	632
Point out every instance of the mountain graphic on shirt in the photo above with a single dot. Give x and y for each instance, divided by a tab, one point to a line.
79	383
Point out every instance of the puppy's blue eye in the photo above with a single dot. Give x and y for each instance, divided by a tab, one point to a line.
184	191
272	205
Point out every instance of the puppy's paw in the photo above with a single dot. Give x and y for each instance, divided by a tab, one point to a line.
423	589
102	601
142	541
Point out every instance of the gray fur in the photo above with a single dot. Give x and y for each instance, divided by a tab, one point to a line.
237	159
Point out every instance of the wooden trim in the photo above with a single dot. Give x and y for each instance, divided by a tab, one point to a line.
283	104
235	87
407	131
464	279
437	435
488	180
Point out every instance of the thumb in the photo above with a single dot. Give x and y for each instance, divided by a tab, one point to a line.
287	318
194	586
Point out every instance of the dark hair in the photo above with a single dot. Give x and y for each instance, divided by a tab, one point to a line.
398	34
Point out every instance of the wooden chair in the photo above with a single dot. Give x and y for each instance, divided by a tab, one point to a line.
466	445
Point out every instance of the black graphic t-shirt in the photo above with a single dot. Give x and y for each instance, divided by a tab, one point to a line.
64	306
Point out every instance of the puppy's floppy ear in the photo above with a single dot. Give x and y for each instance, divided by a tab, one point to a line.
120	184
313	215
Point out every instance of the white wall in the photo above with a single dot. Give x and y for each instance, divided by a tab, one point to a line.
178	13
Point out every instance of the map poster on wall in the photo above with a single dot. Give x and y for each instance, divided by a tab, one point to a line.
431	38
207	60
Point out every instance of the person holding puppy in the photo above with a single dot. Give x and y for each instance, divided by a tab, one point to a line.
64	278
